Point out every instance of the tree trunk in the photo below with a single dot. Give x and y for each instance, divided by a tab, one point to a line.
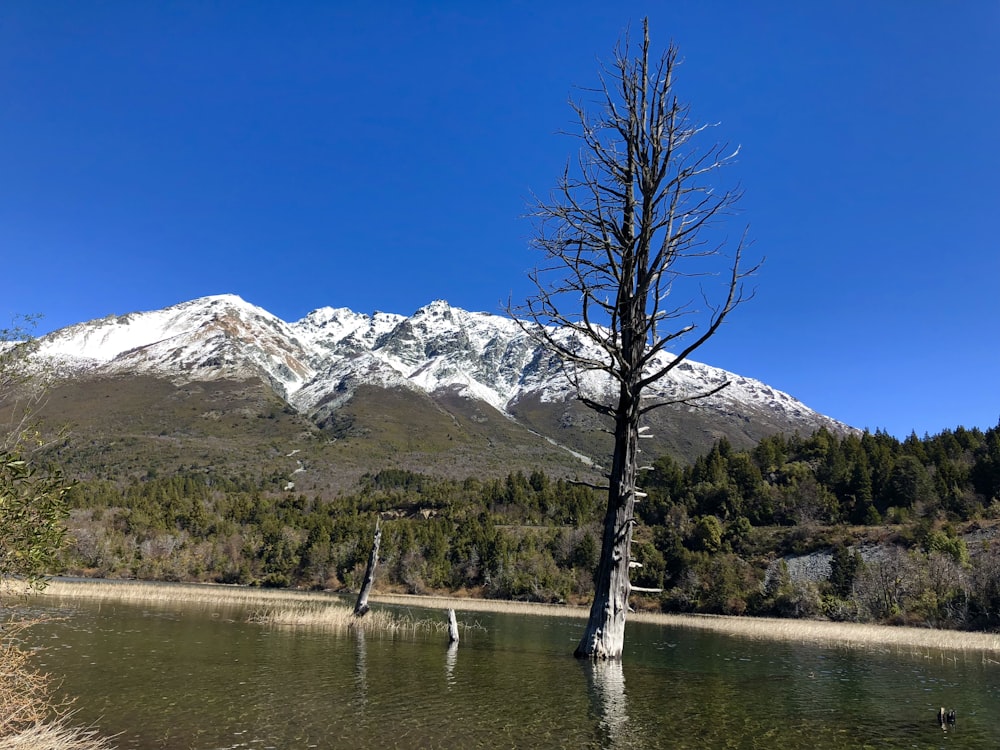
361	606
452	627
604	636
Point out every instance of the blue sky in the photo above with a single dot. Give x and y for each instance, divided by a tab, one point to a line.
379	156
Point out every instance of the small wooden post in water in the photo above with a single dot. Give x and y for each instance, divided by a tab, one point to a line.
452	627
361	606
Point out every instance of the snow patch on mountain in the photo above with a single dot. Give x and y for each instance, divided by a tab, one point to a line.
208	336
317	362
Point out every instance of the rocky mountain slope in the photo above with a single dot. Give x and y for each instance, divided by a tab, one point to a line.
443	389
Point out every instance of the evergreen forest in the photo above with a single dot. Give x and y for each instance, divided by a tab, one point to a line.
860	527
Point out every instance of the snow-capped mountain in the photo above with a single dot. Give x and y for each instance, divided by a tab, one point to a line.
318	363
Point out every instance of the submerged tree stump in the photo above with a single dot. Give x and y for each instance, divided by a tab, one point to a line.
946	717
361	606
452	627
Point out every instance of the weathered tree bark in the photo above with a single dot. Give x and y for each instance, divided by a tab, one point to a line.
452	627
361	606
621	239
604	636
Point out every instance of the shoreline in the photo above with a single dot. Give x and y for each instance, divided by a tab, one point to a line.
818	632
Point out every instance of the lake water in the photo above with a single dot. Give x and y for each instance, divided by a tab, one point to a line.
201	677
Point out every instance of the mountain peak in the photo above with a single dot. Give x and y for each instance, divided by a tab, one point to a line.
319	361
226	298
437	309
323	315
436	305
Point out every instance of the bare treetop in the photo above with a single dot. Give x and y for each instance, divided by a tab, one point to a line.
624	228
628	272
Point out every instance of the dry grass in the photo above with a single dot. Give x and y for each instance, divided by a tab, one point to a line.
24	691
854	635
269	606
310	609
287	607
483	605
174	593
55	735
29	719
340	618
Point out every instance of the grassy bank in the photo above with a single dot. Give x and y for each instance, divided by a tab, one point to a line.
267	606
855	635
173	593
850	634
312	608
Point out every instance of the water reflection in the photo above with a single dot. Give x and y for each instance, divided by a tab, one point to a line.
361	666
609	705
450	659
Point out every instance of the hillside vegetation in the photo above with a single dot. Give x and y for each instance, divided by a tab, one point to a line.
899	531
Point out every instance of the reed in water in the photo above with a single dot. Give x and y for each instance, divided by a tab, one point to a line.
274	600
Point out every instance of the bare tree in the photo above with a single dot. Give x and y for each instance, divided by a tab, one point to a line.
361	605
626	235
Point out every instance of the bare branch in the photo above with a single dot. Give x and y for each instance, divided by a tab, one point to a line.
628	246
